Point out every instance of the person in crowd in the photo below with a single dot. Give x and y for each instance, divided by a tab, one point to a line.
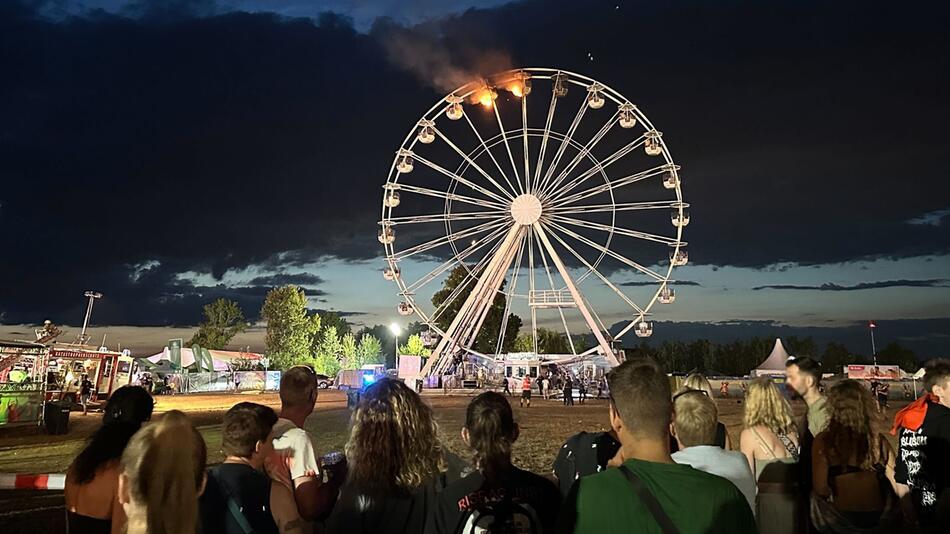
883	392
299	496
770	443
92	481
236	499
568	391
923	459
724	389
699	382
582	390
397	465
162	476
803	374
853	466
695	418
545	387
649	491
507	382
497	496
526	391
85	392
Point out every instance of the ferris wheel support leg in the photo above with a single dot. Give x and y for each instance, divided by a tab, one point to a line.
576	295
469	310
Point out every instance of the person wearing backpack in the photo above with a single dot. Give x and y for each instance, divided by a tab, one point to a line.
498	497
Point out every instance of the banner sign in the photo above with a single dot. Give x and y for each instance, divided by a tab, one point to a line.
874	372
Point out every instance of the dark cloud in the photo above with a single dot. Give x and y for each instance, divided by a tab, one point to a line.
299	279
937	282
213	140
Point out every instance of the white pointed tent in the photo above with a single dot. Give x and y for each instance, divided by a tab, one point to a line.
774	365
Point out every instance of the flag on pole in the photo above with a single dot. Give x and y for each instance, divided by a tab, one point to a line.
872	325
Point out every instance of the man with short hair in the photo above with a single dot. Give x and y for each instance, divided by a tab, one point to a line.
695	417
923	459
526	391
237	496
804	376
649	492
300	497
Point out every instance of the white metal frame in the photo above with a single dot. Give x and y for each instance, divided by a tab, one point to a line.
505	243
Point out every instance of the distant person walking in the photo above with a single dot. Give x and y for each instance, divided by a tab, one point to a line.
545	387
568	392
526	391
85	391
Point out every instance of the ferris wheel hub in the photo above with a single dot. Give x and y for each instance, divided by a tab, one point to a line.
526	209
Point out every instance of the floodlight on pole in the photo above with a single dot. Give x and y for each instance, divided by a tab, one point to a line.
394	328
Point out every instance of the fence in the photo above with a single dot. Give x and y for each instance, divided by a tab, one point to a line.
20	403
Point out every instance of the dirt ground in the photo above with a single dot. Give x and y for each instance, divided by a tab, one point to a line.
544	427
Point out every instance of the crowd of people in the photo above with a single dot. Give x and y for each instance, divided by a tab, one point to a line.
666	465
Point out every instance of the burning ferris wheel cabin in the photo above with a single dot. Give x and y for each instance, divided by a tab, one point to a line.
542	190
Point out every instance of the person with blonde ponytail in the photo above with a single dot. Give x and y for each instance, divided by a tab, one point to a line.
162	476
497	497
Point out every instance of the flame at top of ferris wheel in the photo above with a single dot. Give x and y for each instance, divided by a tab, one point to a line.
536	193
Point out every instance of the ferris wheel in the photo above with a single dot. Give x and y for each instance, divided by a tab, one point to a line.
532	192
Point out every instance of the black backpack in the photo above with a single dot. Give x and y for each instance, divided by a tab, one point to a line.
502	517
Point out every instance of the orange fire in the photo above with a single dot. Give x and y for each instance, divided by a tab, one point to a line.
486	97
517	90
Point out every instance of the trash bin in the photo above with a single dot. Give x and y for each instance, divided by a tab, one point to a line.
352	398
56	416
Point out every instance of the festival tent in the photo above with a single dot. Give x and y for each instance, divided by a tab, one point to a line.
775	363
221	359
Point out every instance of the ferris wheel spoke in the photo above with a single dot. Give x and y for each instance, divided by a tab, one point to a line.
614	184
438	168
547	270
601	166
597	246
620	206
549	172
444	217
471	162
446	239
524	137
514	191
646	236
544	144
504	137
471	274
455	197
579	157
471	249
598	274
509	296
531	288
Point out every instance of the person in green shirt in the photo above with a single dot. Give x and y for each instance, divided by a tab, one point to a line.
663	497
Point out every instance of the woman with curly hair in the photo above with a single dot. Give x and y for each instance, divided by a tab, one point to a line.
770	443
853	466
396	464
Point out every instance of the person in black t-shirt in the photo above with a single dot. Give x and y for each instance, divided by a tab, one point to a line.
236	499
923	459
498	497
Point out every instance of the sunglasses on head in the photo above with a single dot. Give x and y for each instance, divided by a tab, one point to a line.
688	391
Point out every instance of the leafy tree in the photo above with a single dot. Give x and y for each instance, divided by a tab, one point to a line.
349	351
386	340
369	350
835	357
332	318
524	343
894	354
414	347
223	320
801	346
552	342
329	352
289	328
486	340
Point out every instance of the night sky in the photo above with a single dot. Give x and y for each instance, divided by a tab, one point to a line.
169	153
